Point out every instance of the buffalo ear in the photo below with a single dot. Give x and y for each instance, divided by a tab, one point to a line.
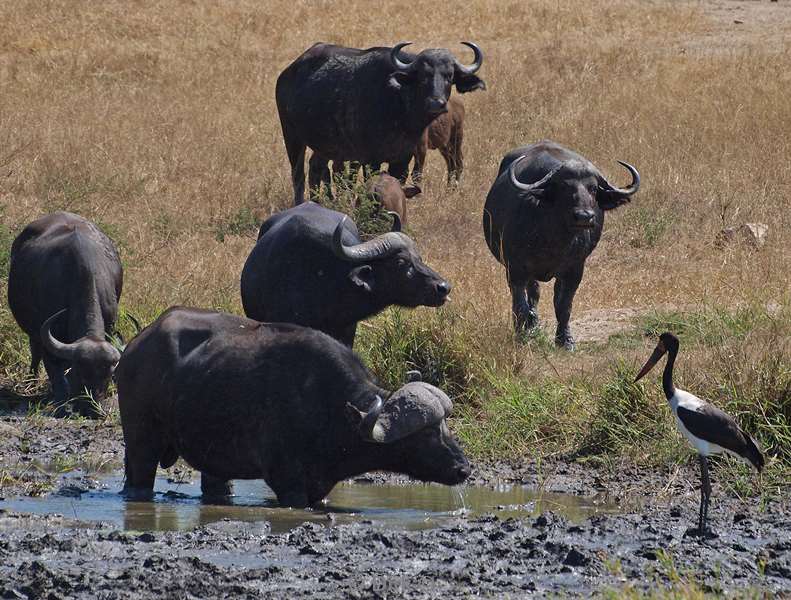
363	276
411	192
468	83
609	200
399	79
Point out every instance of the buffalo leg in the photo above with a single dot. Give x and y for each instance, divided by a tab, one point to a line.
566	285
214	487
399	170
60	385
296	156
36	352
453	156
288	483
318	173
525	299
144	450
420	158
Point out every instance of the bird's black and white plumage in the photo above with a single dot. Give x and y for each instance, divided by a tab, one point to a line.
709	429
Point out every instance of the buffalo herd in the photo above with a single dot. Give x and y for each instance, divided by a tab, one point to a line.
281	395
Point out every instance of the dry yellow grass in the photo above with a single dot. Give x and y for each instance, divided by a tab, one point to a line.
158	120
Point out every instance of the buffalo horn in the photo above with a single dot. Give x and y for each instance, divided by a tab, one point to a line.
53	346
379	247
476	63
396	221
397	62
369	419
608	187
528	187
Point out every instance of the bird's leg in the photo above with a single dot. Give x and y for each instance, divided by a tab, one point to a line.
705	492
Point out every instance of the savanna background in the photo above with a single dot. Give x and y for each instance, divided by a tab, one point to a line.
157	120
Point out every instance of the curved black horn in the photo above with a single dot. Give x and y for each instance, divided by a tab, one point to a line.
369	419
53	346
397	63
396	220
635	185
379	247
529	187
476	63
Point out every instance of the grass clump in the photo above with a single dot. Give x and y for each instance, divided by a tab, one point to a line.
397	342
352	197
243	222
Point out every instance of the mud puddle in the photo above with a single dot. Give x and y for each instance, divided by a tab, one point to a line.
178	506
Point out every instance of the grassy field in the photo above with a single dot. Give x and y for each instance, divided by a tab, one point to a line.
158	121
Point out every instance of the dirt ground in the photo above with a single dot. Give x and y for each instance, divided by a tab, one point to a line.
52	556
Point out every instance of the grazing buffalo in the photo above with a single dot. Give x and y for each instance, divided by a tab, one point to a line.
445	133
391	195
63	289
543	216
368	106
239	399
309	267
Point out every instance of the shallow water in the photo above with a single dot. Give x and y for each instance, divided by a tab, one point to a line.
178	506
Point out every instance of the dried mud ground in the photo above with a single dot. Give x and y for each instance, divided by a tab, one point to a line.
52	556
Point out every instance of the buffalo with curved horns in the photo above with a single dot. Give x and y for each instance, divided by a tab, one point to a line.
64	285
310	267
543	217
239	399
367	106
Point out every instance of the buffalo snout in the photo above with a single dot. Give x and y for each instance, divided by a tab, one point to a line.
584	218
436	106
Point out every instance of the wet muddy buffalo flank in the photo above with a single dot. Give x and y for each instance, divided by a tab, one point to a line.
310	267
62	264
543	216
368	106
239	399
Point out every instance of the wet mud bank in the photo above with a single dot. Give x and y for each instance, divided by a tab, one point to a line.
53	557
491	542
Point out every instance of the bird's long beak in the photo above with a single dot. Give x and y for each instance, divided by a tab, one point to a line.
658	353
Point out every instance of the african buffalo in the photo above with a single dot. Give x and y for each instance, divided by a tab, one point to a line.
309	267
64	285
368	106
543	216
445	133
391	195
239	399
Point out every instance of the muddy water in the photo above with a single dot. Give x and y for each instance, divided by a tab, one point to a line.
177	506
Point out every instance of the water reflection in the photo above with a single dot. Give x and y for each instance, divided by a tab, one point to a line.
414	506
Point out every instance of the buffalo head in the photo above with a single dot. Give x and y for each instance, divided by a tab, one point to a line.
426	80
390	270
92	359
412	424
577	191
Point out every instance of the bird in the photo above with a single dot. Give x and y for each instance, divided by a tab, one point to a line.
709	429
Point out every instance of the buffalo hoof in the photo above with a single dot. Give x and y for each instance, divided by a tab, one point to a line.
137	494
566	342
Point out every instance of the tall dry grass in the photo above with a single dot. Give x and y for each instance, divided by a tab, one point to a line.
158	121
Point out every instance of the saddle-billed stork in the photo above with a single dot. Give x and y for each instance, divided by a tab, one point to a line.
708	429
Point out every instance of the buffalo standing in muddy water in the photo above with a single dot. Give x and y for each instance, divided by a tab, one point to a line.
543	217
64	284
239	399
309	267
367	106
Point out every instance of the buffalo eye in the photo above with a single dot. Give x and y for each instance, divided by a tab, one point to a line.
410	272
